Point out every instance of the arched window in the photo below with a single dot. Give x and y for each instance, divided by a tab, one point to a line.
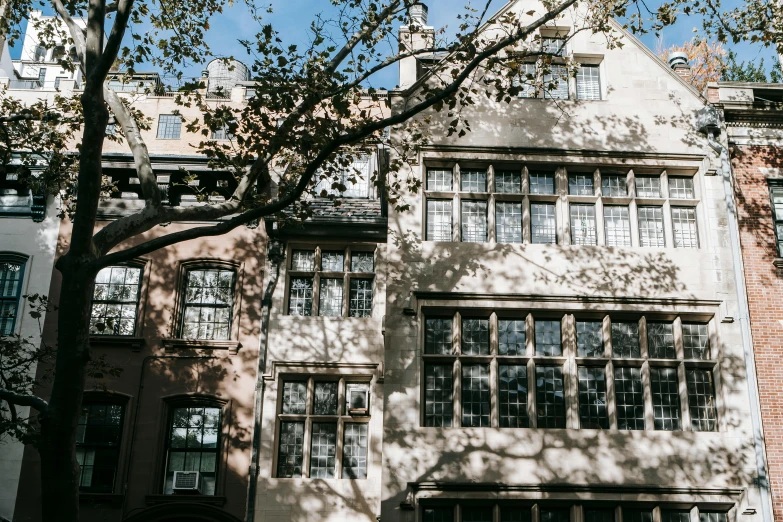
193	448
98	437
11	276
208	299
115	301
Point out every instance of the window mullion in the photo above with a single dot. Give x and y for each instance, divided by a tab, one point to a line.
649	414
685	412
611	403
494	407
633	223
338	449
531	393
456	377
306	445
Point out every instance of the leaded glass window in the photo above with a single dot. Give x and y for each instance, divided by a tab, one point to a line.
629	398
701	400
625	339
438	400
472	180
543	223
684	228
439	220
508	222
475	336
660	340
512	393
542	183
666	398
440	179
648	186
613	185
617	226
475	395
589	339
581	185
330	302
355	443
474	221
438	336
511	337
681	188
323	448
651	227
332	261
361	298
169	127
508	182
592	398
583	224
290	450
300	296
550	399
696	341
548	340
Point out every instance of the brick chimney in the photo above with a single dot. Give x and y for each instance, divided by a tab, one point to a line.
679	62
414	36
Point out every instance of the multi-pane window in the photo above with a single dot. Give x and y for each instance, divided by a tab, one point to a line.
684	227
474	221
553	44
98	435
526	80
617	225
193	444
712	516
542	183
440	179
556	82
169	127
508	222
675	515
543	224
115	301
320	436
776	200
331	283
583	224
514	371
208	302
508	182
473	180
681	188
11	276
651	232
613	185
648	186
350	180
588	82
439	227
580	185
477	509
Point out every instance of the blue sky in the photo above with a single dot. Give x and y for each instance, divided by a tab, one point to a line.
291	19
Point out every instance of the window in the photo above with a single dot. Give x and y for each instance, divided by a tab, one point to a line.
351	181
583	224
440	179
696	341
651	227
11	277
648	186
41	76
681	188
209	298
553	44
526	81
684	227
542	183
613	186
588	83
169	127
115	301
508	222
98	435
193	444
308	439
580	185
40	53
222	133
508	182
543	225
331	283
57	81
509	509
509	369
473	180
776	199
617	226
556	82
474	221
439	220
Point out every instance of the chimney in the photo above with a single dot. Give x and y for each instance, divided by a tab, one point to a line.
679	62
413	37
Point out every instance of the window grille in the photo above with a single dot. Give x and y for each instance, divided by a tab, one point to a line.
209	297
684	227
115	301
581	185
508	222
440	179
681	188
666	398
439	220
543	223
474	221
617	226
614	186
588	83
194	445
556	83
169	127
583	224
648	186
473	180
651	227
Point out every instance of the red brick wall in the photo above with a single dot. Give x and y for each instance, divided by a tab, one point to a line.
765	296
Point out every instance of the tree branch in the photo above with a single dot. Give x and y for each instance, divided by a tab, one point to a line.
77	34
21	399
124	8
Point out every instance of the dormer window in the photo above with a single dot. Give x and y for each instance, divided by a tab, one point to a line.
354	177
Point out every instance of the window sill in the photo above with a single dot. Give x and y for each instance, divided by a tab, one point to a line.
115	341
152	500
101	498
232	346
778	262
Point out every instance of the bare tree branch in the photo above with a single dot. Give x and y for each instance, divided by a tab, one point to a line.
21	399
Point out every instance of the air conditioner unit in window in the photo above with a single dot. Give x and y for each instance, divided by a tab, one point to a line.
187	482
359	401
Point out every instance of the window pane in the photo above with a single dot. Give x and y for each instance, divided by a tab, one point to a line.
475	395
300	297
508	222
475	336
474	221
193	445
508	181
547	334
322	450
625	339
648	186
325	402
525	80
599	515
592	398
712	516
439	220
589	339
629	397
675	515
355	450
550	402
553	44
556	82
289	453
169	126
666	398
701	400
440	179
330	303
362	262
511	336
473	180
588	83
209	294
515	514
583	224
554	515
542	223
10	291
617	226
542	183
439	514
613	185
438	336
580	185
660	341
438	408
776	196
696	341
332	261
97	445
651	227
294	397
637	515
361	298
303	260
115	301
477	514
684	227
512	394
681	188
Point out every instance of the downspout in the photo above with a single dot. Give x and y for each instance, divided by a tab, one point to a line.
708	122
276	255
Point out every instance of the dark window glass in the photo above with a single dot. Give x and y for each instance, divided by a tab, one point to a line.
477	514
475	395
294	397
637	515
300	296
599	515
550	402
701	400
355	451
666	398
776	197
675	515
438	395
209	296
589	339
438	336
302	261
332	261
613	186
554	515
361	298
511	336
363	262
98	435
660	341
439	514
323	449
592	398
290	453
10	291
548	337
625	339
194	445
515	514
475	336
629	397
696	341
512	391
115	301
712	516
325	398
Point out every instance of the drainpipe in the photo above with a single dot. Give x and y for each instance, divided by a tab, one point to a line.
708	122
276	255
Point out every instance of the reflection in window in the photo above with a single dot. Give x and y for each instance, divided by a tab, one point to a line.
98	435
193	445
209	296
115	301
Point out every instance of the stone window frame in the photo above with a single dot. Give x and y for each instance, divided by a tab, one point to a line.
316	274
570	362
563	200
341	419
